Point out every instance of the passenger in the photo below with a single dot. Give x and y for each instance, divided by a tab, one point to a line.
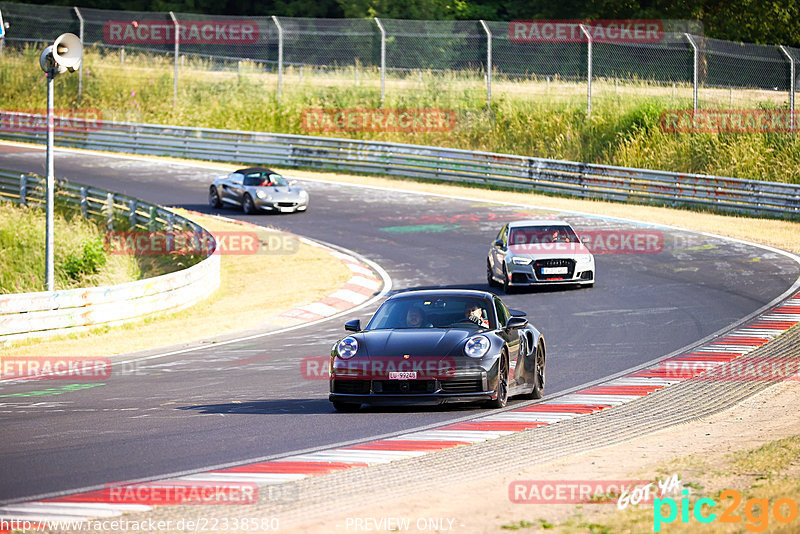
473	312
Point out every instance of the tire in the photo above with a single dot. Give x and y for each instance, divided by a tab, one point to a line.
247	205
506	285
213	198
345	407
490	276
502	383
538	373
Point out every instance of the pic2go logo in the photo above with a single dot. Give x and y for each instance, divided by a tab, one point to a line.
756	511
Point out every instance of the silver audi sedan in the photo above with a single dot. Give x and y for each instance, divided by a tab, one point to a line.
257	189
539	252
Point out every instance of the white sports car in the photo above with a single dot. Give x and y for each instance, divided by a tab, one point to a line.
539	252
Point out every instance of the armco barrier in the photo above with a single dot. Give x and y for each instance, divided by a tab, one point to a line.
432	163
24	315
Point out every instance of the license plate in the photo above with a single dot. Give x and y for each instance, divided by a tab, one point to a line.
403	375
555	270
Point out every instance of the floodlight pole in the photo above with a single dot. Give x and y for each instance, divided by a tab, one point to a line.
80	36
49	239
383	58
177	53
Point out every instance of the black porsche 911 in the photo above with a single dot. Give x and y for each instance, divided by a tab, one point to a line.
436	347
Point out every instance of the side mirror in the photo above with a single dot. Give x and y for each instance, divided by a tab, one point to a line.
353	326
515	323
498	243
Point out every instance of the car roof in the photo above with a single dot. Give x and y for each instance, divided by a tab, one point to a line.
255	170
433	293
538	222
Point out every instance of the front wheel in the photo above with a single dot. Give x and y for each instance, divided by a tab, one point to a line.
538	373
502	383
247	205
213	198
490	275
506	281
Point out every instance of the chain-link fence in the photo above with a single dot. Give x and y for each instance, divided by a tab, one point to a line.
553	60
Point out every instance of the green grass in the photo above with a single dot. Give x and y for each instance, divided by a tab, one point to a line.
80	258
527	117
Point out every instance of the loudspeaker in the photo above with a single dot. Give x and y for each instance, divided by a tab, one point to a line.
65	54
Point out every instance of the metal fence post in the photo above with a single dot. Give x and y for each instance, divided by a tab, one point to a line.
694	70
84	203
177	53
488	62
791	85
23	189
588	71
280	54
132	205
110	211
383	57
80	36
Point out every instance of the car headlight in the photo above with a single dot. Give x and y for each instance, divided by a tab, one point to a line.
347	348
584	259
521	261
303	195
263	195
477	346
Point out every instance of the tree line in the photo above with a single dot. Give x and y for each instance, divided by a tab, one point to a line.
753	21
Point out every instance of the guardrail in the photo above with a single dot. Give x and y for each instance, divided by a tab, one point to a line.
25	315
432	163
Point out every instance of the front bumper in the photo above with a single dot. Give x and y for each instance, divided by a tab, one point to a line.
535	273
280	206
463	388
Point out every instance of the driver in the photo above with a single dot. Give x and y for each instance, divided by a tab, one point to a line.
415	318
473	312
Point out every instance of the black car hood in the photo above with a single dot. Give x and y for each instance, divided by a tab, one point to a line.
426	342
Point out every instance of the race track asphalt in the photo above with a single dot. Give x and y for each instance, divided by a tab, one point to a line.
249	399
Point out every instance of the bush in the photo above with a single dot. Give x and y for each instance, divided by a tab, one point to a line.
86	262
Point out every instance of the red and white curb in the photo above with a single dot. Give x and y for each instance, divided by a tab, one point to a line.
691	365
362	285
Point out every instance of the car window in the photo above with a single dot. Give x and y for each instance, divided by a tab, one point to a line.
502	312
522	235
436	312
503	235
237	178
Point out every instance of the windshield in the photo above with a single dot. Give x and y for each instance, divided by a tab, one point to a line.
262	178
437	312
542	234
